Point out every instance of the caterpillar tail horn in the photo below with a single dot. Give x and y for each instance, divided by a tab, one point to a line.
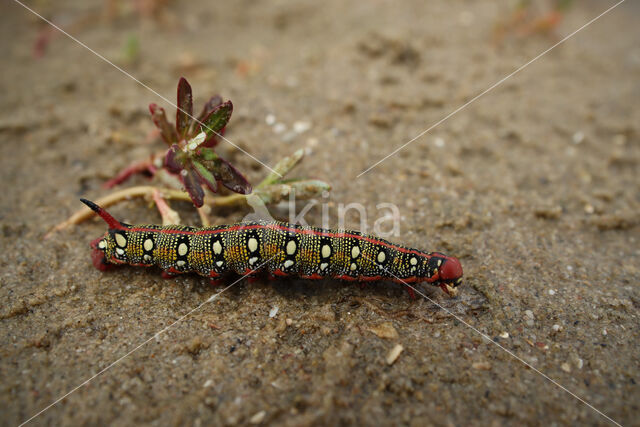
113	223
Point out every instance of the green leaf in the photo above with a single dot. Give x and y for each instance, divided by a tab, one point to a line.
283	167
217	119
206	177
185	107
207	154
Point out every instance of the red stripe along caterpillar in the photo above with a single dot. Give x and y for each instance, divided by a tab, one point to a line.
279	248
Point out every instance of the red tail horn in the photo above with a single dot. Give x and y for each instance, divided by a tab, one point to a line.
113	223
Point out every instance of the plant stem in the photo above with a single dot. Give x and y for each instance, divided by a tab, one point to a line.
142	191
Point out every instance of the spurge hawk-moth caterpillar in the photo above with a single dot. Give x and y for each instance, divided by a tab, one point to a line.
280	249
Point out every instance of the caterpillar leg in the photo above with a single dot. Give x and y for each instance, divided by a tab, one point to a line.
99	261
412	294
215	282
170	273
271	277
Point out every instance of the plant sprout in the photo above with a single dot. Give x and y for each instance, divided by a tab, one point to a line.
190	167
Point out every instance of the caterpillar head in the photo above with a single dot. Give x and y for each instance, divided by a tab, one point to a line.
110	248
449	271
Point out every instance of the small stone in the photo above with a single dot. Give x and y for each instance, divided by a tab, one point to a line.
556	328
273	312
258	417
439	142
289	322
504	335
279	127
394	353
301	126
529	314
482	366
565	367
270	119
604	331
208	383
385	330
552	292
578	137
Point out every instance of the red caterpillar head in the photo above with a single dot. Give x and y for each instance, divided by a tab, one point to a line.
449	271
108	249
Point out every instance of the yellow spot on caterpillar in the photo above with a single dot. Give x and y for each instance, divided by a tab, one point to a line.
102	244
324	266
148	245
288	263
353	266
381	256
413	261
217	247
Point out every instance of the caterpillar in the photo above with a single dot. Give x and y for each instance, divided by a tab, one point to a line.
279	248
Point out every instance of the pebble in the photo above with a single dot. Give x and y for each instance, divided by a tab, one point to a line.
529	317
481	366
279	127
552	292
439	142
385	330
504	335
578	137
301	126
565	367
273	312
289	322
208	383
394	353
258	417
270	119
556	327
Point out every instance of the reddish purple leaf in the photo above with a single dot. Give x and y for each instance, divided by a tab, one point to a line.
190	181
209	106
232	178
185	107
159	118
175	159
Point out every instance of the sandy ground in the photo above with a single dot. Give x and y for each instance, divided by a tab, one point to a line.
535	186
